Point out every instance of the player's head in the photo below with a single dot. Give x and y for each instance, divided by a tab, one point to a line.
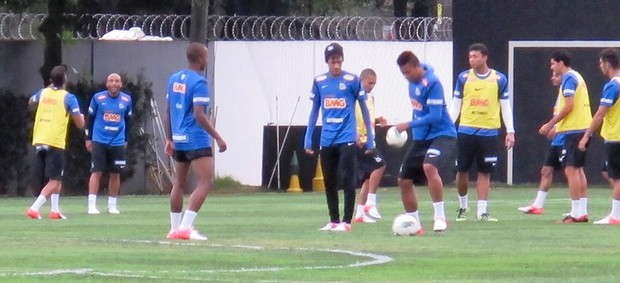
560	61
368	77
478	55
197	56
609	61
58	76
556	79
114	84
410	66
334	56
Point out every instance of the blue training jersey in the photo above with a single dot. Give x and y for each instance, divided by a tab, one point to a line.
110	114
336	98
187	88
430	114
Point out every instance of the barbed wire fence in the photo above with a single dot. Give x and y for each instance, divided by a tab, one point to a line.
247	28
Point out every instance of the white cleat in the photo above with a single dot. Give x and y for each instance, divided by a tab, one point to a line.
342	227
329	226
113	210
608	220
372	211
364	219
93	210
440	225
195	235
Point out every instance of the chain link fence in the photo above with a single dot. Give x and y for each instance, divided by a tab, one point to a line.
247	28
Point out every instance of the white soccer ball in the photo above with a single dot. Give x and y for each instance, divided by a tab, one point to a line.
405	225
395	138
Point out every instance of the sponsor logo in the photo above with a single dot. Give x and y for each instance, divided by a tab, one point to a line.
323	86
342	86
49	101
416	105
102	97
334	120
334	103
179	106
111	117
178	88
434	101
478	88
479	102
121	106
124	98
348	77
607	101
321	78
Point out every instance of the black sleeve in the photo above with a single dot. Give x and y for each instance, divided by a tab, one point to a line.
90	122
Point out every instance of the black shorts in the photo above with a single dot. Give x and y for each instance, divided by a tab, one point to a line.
339	166
482	149
189	155
107	159
552	157
436	152
367	163
51	160
571	155
613	160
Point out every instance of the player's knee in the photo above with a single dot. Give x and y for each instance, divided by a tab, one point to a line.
546	172
430	169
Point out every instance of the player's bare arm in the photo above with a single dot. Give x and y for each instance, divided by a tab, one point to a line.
203	120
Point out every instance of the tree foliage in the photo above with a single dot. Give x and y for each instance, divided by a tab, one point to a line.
15	125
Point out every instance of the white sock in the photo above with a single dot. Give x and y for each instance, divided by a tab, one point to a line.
540	199
54	200
584	206
111	201
575	208
482	207
38	203
615	209
360	211
175	220
463	202
92	200
439	211
188	220
415	215
371	199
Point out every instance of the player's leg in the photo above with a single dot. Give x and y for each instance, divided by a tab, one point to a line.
373	184
438	153
486	162
551	164
54	162
117	167
98	165
465	157
613	171
329	163
410	170
573	160
182	166
346	178
583	196
363	175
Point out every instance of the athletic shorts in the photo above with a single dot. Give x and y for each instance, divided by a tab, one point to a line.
106	158
436	152
189	155
571	155
52	160
552	157
367	163
613	160
482	149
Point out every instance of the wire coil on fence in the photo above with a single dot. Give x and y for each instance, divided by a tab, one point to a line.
263	28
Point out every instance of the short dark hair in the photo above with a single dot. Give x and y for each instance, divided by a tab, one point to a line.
367	72
480	48
57	76
407	57
611	56
561	55
333	49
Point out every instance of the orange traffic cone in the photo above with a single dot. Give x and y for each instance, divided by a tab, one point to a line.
318	184
294	186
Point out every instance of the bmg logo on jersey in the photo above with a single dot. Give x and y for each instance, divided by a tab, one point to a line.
111	117
178	87
334	103
479	102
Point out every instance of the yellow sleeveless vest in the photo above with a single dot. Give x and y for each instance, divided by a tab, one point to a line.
51	119
581	116
481	101
611	122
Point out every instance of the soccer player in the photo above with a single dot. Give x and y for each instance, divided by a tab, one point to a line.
552	161
334	93
107	130
479	95
49	136
188	141
433	134
370	166
572	120
608	114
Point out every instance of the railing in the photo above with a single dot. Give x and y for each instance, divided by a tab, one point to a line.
25	27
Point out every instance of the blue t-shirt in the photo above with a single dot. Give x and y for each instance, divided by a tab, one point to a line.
336	98
187	88
71	102
110	114
430	115
611	94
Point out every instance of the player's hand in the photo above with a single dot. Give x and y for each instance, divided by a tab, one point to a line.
89	145
309	151
402	127
583	142
544	130
510	140
551	133
168	148
221	144
382	121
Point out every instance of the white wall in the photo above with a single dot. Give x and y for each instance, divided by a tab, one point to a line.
250	76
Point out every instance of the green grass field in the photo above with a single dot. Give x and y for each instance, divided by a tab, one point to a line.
273	237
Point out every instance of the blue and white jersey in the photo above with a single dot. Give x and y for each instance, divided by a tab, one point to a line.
110	114
336	98
430	114
71	103
187	88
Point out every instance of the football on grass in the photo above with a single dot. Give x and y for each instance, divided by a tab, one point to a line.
405	225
